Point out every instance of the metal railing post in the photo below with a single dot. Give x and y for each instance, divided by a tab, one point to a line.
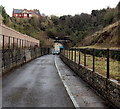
8	42
65	53
93	60
13	49
3	57
40	51
25	43
20	43
9	62
13	43
48	52
84	57
69	53
72	54
3	44
108	65
79	57
75	55
17	42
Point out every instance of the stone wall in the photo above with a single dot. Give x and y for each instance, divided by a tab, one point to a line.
12	58
107	88
0	63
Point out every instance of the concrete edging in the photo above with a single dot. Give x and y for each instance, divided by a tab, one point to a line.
66	87
105	87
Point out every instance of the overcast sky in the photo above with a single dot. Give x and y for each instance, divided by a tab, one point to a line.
58	7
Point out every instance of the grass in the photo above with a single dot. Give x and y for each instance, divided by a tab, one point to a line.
98	47
100	65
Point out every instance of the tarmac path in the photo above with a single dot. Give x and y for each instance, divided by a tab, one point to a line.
35	84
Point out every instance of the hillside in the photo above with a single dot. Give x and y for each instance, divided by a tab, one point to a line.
34	27
107	37
98	28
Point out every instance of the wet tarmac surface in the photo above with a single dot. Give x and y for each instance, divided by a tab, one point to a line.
84	95
36	84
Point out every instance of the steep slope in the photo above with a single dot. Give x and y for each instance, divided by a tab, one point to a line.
107	37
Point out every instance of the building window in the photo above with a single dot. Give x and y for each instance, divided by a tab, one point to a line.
25	15
30	15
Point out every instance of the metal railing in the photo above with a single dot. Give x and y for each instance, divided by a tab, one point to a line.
103	61
16	51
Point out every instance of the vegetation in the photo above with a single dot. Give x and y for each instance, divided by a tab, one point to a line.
100	28
100	64
107	37
33	27
78	27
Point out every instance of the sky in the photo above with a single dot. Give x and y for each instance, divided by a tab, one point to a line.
58	7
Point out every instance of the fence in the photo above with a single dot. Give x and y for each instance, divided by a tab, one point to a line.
104	61
6	31
17	48
96	69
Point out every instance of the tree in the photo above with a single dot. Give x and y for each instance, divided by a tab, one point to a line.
5	16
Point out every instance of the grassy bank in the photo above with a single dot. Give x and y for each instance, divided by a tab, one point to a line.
100	64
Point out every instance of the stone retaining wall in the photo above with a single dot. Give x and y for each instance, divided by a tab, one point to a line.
12	58
0	63
107	88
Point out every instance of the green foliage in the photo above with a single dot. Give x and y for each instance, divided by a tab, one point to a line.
108	17
77	27
4	15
